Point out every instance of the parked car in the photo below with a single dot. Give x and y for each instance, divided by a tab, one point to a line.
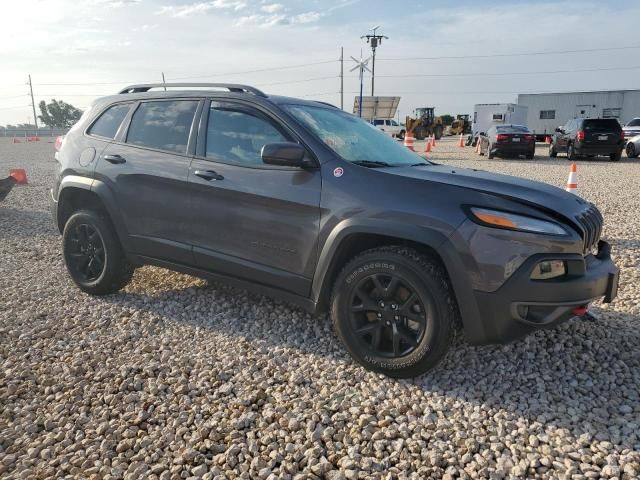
588	137
302	201
632	128
633	147
507	140
389	126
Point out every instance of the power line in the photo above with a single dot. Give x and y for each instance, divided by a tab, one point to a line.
498	74
296	81
271	69
516	54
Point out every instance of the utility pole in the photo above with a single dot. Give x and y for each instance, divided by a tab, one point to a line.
341	78
33	105
374	40
163	81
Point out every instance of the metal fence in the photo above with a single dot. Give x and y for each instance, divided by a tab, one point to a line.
32	132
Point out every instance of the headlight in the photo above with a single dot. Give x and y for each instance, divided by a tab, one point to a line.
512	221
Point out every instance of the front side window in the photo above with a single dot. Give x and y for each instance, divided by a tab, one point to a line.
109	122
378	122
237	136
352	138
164	125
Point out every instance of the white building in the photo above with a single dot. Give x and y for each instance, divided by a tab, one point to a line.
487	114
546	111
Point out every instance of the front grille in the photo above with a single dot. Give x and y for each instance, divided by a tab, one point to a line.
591	222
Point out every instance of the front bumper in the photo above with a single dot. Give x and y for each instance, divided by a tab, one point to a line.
521	305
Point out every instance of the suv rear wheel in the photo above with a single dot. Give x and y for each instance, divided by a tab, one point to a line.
93	254
571	154
393	309
615	157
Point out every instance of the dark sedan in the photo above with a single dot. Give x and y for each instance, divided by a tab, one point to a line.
508	141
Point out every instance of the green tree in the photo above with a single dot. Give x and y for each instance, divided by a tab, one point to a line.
58	114
447	119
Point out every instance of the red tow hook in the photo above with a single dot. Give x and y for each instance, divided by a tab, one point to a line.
580	311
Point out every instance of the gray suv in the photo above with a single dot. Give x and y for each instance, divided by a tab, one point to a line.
302	201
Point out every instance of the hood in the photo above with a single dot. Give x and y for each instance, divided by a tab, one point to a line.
537	194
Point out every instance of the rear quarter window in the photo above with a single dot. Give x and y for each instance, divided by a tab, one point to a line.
109	122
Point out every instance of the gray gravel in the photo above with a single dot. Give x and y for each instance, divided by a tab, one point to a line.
175	378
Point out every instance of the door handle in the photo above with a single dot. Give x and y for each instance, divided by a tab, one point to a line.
208	175
115	159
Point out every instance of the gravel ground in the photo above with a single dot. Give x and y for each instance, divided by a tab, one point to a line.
175	378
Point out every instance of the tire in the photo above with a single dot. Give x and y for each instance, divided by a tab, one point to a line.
93	254
490	155
368	295
530	155
631	150
615	157
552	151
420	133
437	132
571	154
401	135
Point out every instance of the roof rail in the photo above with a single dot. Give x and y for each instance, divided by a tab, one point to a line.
232	87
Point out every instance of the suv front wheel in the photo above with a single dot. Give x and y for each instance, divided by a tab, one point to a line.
394	310
93	255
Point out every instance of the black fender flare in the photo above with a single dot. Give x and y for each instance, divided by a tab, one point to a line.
106	197
436	240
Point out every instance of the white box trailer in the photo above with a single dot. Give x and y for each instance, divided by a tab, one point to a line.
487	114
547	111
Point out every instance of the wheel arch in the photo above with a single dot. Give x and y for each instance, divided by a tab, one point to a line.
78	193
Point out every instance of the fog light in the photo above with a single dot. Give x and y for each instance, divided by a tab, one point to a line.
549	269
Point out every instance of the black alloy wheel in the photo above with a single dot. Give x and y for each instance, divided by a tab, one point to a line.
87	252
387	315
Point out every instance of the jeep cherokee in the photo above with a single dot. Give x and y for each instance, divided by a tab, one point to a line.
300	200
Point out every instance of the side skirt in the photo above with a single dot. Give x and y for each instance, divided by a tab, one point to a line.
302	302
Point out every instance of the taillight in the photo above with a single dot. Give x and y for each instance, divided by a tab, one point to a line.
530	138
502	137
622	135
59	142
580	135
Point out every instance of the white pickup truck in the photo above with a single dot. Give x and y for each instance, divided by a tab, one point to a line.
389	126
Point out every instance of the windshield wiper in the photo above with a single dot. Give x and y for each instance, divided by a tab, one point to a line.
372	163
421	164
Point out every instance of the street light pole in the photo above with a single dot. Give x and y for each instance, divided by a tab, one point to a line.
374	40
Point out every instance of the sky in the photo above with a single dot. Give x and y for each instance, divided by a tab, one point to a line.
77	50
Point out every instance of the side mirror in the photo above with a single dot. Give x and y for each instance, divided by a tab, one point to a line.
284	154
559	130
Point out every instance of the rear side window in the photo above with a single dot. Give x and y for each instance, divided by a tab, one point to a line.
601	124
164	125
237	136
108	123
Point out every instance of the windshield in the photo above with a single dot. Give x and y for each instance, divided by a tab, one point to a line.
351	137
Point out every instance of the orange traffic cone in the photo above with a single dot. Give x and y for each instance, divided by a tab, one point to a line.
547	139
572	181
478	145
19	174
461	141
427	145
409	141
15	140
433	141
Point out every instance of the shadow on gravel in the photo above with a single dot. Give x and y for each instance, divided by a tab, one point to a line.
575	377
